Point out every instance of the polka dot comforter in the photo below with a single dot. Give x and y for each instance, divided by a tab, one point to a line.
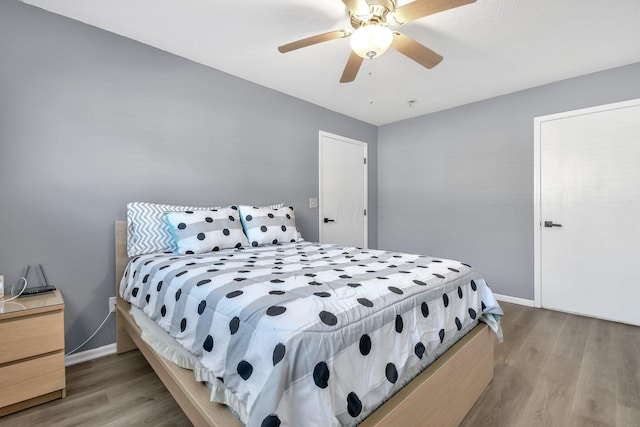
307	333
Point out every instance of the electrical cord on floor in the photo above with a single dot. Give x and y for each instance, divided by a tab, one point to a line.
2	300
92	335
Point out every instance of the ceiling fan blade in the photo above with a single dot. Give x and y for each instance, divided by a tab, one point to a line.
351	70
421	8
325	37
414	50
357	7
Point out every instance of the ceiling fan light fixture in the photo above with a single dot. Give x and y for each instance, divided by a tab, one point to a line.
370	41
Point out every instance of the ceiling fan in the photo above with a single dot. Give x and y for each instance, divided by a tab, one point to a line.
371	35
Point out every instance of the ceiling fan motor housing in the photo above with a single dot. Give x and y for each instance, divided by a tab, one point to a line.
378	10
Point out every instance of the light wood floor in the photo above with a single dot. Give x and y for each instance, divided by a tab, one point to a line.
553	369
558	369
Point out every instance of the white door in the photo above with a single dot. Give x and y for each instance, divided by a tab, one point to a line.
589	230
343	191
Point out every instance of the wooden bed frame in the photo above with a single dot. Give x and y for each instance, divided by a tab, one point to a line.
440	396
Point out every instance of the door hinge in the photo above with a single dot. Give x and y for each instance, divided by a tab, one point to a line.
365	160
365	212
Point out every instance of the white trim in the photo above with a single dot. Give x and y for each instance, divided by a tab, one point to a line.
537	215
91	354
322	134
591	316
514	300
537	176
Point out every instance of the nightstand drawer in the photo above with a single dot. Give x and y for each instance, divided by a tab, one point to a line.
31	335
33	377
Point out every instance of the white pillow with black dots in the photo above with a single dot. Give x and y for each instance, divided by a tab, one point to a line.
202	231
265	226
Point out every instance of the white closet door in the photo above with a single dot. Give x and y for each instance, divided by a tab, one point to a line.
590	186
343	191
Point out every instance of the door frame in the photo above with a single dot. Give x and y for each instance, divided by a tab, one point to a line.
364	145
537	184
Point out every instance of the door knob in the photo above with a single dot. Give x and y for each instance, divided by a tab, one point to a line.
327	220
551	224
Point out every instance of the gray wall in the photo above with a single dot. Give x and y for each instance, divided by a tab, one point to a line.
459	183
90	121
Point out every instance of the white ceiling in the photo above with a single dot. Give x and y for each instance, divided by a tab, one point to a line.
490	48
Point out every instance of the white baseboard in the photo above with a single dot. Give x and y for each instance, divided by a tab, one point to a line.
87	355
514	300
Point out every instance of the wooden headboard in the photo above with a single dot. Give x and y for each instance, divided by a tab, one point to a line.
123	340
121	251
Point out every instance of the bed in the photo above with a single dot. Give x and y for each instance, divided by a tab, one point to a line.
440	395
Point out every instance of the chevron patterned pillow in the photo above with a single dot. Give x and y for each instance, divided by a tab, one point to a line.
148	231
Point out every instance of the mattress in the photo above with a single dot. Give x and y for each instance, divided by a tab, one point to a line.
309	331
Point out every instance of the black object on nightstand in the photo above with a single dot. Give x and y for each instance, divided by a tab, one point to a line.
40	289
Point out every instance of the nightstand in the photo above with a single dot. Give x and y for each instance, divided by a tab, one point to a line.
31	351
